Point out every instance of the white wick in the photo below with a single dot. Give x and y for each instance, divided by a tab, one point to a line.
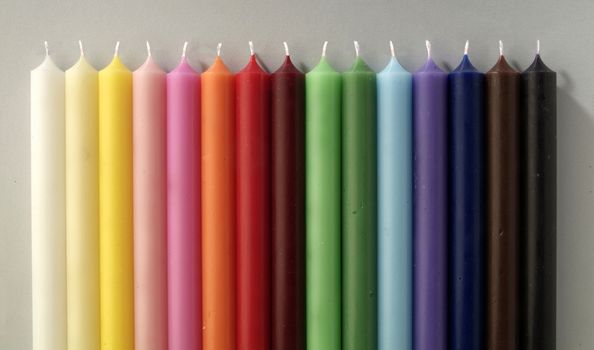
392	50
148	48
538	47
356	43
286	48
185	49
466	48
500	48
80	46
428	45
324	47
251	44
117	49
219	46
46	48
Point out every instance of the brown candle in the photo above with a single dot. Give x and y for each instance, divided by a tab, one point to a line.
502	108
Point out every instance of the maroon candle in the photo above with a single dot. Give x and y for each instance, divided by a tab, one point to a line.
288	219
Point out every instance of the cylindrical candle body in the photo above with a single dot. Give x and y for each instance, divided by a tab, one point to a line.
150	206
218	207
466	207
502	109
538	278
48	208
430	211
287	86
252	86
115	207
323	93
359	203
82	205
183	208
395	188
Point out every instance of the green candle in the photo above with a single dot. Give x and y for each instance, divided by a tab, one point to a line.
323	95
359	215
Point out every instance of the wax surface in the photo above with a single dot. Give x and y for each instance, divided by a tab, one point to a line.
395	174
287	94
82	205
502	117
150	206
115	207
538	252
430	212
183	208
323	205
218	207
466	207
252	86
48	208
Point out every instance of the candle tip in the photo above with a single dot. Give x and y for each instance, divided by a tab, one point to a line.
466	48
324	47
219	46
392	50
428	45
538	47
148	48
251	44
80	46
500	48
46	48
117	49
286	48
185	49
356	43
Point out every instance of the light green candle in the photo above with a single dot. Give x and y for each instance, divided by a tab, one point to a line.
323	108
359	214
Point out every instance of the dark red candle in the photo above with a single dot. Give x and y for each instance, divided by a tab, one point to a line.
253	205
287	89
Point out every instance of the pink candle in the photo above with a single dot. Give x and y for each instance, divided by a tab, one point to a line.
150	215
183	207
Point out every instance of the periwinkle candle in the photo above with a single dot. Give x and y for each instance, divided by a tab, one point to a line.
287	120
252	86
538	172
430	92
466	206
183	207
116	250
323	204
150	205
82	204
395	188
359	203
48	207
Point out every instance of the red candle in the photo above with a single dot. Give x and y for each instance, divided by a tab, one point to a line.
287	90
253	202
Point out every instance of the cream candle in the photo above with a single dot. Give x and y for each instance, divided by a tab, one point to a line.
48	208
82	205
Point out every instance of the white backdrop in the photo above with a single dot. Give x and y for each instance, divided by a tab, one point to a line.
564	28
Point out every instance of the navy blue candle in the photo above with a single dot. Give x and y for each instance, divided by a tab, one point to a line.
466	206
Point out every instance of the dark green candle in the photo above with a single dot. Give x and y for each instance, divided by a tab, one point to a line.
359	216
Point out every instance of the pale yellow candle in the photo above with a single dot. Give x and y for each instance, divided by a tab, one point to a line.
82	205
115	206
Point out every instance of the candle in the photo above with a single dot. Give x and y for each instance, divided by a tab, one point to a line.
359	221
394	143
323	200
253	204
430	206
82	204
466	213
183	207
115	206
48	207
150	206
287	86
539	195
502	108
218	206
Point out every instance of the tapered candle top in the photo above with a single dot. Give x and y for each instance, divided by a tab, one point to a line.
253	66
465	65
82	63
116	63
324	66
149	64
47	63
287	66
538	65
184	67
218	66
393	65
430	66
501	66
359	65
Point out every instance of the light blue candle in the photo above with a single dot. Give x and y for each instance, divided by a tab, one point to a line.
395	188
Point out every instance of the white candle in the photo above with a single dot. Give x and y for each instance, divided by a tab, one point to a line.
48	209
82	205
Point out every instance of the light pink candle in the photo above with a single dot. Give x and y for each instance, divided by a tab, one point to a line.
183	207
150	206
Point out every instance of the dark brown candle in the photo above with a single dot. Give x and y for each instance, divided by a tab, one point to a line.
502	107
288	208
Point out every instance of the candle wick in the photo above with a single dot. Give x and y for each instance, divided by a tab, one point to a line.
185	49
392	50
324	47
428	45
46	48
251	44
117	49
356	43
148	48
286	48
500	48
538	47
466	48
80	46
219	46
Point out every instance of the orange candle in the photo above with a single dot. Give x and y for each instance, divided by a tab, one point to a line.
218	207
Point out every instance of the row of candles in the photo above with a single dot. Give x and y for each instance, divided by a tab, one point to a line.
323	210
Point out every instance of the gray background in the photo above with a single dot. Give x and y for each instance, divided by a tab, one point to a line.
565	30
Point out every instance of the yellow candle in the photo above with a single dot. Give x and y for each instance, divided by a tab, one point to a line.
82	206
115	206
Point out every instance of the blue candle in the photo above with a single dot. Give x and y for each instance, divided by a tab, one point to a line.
394	143
466	203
